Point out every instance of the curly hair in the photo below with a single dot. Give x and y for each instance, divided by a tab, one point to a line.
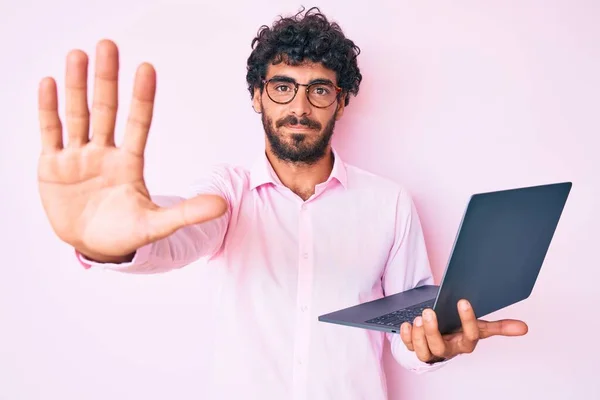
300	38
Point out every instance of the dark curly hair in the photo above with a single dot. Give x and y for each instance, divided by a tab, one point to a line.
300	38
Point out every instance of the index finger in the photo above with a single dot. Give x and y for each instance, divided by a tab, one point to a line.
141	110
50	125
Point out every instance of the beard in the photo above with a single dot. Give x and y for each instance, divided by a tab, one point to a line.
301	149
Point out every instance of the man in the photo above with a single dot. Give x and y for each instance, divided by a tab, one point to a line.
299	234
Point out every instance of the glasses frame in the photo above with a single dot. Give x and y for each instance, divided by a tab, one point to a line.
265	82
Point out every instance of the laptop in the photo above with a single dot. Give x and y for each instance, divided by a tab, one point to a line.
496	258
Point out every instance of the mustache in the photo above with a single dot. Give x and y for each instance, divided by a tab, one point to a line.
292	120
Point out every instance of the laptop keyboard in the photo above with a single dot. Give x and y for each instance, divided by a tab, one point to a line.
396	318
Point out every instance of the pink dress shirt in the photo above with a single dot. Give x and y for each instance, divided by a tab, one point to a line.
282	263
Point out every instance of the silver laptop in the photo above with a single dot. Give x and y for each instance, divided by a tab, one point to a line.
497	255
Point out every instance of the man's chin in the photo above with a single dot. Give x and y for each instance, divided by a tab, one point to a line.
296	151
295	140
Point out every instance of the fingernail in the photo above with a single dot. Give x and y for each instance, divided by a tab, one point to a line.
418	321
464	305
427	314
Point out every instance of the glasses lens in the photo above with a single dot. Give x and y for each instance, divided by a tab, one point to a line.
322	94
319	94
280	92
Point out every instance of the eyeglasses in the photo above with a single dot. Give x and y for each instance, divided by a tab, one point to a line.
319	94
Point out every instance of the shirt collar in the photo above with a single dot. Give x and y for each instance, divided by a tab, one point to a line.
262	172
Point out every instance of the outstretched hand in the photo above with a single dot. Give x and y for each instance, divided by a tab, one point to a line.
93	192
425	339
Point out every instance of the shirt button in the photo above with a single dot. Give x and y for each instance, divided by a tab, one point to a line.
305	254
303	308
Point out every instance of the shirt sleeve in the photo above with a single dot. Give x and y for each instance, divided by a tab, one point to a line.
187	244
407	267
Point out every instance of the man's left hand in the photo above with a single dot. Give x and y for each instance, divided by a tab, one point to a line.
424	338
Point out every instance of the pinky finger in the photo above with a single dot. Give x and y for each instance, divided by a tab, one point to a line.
406	335
50	125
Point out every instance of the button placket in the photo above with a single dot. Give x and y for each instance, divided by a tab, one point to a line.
304	290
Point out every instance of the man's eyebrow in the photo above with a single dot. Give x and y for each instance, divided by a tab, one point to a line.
322	80
284	78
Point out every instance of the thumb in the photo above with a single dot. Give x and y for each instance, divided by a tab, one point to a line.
166	220
505	327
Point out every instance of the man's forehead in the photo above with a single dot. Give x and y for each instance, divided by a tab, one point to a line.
305	72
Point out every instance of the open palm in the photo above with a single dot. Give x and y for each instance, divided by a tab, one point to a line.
92	191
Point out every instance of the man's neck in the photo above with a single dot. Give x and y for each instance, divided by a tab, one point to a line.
302	178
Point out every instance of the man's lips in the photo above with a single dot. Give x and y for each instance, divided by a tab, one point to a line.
299	128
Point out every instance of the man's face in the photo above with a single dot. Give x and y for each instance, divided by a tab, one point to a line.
298	131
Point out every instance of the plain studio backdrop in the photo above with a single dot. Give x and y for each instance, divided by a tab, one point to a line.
458	97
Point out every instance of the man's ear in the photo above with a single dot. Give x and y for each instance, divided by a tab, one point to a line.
340	107
256	103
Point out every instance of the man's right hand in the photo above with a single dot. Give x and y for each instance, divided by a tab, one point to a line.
92	191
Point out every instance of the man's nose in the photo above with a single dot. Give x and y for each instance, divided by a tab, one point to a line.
300	105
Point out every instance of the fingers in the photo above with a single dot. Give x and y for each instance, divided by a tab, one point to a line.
419	341
199	209
470	327
140	113
506	327
424	337
50	125
406	335
105	103
77	113
435	341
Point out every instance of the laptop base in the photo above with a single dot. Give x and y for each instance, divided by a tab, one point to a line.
357	316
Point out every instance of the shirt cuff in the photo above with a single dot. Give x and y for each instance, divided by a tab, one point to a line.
141	256
409	360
